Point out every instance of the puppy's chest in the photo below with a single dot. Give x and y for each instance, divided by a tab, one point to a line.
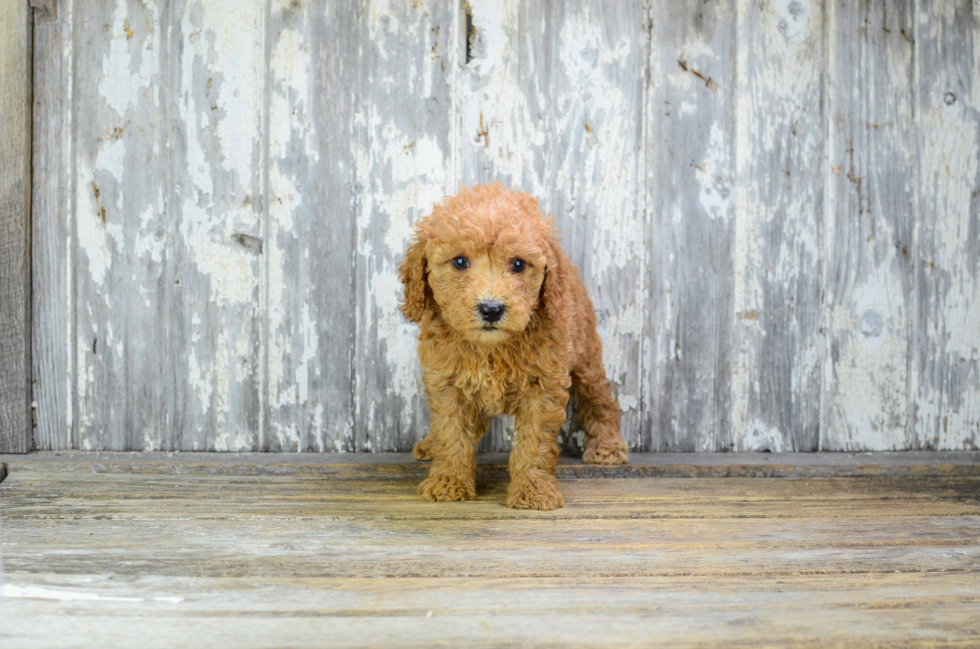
494	392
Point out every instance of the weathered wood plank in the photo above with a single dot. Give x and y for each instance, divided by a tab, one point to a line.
309	303
391	496
800	611
871	200
216	96
121	227
403	140
505	115
597	99
690	139
779	198
15	226
52	232
946	343
410	547
551	104
341	466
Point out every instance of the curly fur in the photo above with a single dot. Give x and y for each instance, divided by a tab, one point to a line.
545	344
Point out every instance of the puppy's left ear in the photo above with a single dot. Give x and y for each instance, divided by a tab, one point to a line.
557	281
413	275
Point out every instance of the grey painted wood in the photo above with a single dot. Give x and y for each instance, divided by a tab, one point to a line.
52	232
493	466
870	218
217	106
121	226
597	99
779	198
690	176
551	102
774	206
403	144
309	300
946	352
505	102
15	226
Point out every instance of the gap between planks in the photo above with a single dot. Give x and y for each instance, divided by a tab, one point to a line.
494	465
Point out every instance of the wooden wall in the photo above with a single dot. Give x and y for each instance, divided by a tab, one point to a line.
774	204
15	228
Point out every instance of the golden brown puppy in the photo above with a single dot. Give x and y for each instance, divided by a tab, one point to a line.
506	327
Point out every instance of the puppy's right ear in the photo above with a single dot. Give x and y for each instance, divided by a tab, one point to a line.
412	273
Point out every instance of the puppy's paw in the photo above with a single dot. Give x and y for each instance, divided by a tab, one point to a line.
444	487
423	450
615	452
540	495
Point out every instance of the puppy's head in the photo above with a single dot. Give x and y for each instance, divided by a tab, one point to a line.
488	262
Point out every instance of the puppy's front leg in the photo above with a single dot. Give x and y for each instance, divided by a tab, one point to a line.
533	483
456	428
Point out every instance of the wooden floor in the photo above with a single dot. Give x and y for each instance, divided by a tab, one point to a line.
152	550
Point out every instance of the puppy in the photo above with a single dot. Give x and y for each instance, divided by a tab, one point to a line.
506	327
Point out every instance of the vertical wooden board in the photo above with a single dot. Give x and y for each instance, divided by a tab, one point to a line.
308	252
551	104
51	229
404	166
120	222
690	138
599	60
868	292
780	163
946	353
216	89
505	114
15	227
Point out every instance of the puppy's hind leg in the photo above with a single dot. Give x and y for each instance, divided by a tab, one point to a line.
423	450
598	414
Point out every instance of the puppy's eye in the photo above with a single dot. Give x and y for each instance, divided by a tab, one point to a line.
518	266
461	263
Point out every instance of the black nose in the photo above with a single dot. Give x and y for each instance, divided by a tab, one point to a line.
491	311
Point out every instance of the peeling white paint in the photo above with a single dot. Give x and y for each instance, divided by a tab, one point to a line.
148	244
774	93
948	402
119	85
760	437
399	336
619	332
869	381
14	591
716	185
403	176
90	230
503	127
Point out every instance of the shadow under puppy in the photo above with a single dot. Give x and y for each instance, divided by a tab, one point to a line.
506	327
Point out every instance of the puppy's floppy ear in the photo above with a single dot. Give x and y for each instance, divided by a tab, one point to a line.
557	281
412	273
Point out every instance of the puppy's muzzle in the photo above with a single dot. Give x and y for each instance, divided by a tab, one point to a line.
490	311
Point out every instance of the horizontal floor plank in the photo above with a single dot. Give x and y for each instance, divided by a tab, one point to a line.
395	465
815	611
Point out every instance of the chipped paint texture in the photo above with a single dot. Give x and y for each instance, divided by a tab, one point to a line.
778	221
688	140
946	362
402	138
774	206
868	269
